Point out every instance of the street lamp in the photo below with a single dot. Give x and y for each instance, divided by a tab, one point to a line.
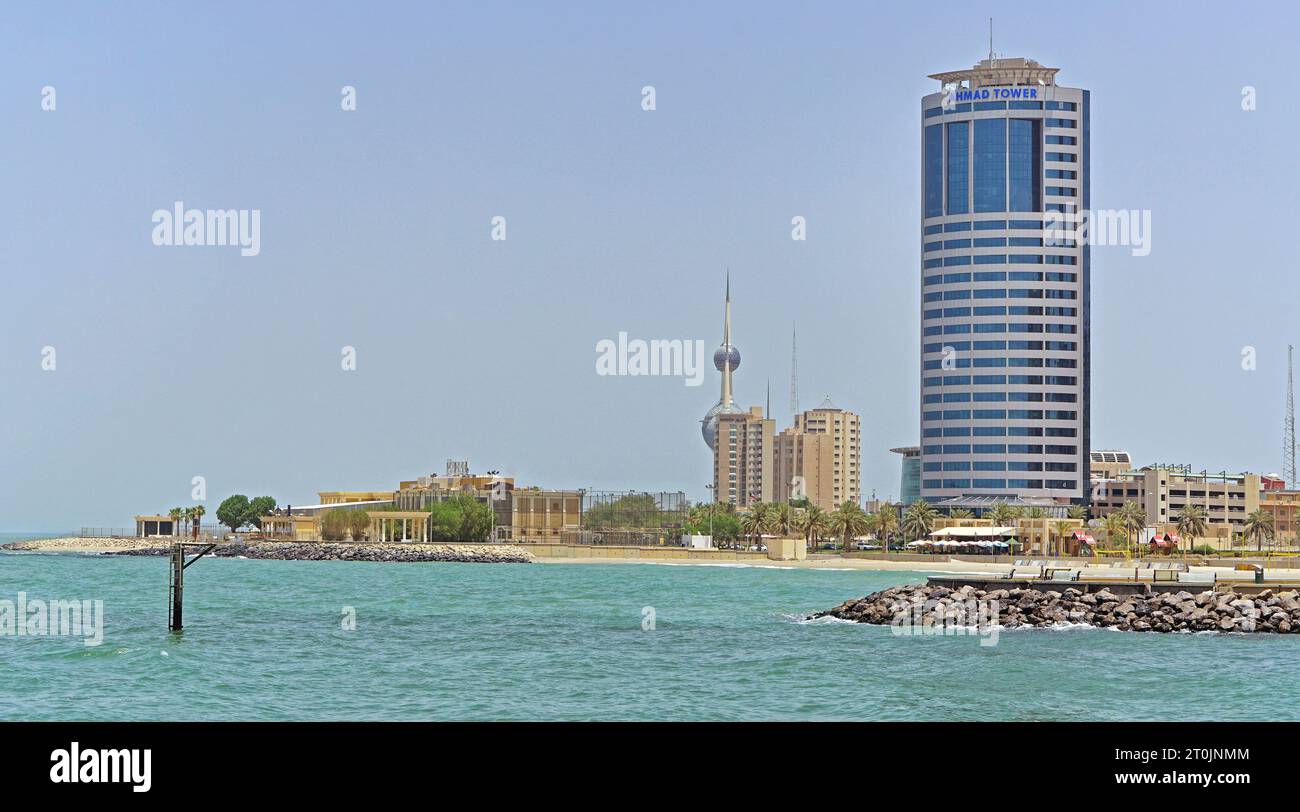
713	501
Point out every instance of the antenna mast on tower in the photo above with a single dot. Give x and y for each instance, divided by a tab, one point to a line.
794	370
1288	425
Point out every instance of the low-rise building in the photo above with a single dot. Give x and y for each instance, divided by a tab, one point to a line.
1284	507
1163	490
1045	535
542	515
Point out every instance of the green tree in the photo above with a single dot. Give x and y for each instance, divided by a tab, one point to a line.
918	520
358	523
782	519
1113	524
752	522
1192	524
1077	512
1135	521
233	512
848	521
334	524
257	508
1062	527
1000	514
960	513
1259	526
176	514
883	523
813	522
460	518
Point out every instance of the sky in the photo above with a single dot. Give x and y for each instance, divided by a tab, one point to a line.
176	362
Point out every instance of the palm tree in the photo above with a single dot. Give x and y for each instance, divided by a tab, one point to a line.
1061	527
1000	514
1135	520
176	513
1259	526
960	513
918	520
847	521
1077	512
781	519
1191	524
813	521
1113	524
196	519
883	522
751	523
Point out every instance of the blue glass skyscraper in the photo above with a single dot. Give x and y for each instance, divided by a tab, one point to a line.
1005	311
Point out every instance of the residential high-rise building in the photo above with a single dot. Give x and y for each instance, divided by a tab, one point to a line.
1005	287
743	457
819	457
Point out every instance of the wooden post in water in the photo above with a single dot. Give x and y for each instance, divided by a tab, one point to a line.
176	592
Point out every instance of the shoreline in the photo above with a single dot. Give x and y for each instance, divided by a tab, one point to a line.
289	551
365	551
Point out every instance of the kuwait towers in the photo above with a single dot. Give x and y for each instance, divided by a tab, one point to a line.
726	358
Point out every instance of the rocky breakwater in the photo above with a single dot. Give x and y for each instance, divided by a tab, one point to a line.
326	551
1210	611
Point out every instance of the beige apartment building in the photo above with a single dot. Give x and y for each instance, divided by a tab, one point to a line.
744	455
1284	506
1163	490
819	458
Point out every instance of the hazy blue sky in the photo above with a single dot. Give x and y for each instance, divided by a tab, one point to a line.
177	362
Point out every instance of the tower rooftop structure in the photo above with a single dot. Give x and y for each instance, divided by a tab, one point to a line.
1000	72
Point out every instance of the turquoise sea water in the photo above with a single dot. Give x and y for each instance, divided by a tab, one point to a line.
264	640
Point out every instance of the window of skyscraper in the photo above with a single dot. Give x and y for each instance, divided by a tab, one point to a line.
934	170
958	139
990	165
1025	164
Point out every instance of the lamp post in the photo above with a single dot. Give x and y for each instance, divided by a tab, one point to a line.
713	502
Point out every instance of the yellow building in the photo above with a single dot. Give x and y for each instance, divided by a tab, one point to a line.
291	528
349	497
146	526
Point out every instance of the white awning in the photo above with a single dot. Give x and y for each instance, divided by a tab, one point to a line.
973	532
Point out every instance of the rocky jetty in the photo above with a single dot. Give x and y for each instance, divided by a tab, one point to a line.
326	551
1210	611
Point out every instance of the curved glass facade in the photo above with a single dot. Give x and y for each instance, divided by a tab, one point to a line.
1004	314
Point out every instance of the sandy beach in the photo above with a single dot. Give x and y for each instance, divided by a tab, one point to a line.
937	565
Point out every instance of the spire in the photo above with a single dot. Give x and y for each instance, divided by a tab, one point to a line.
794	370
727	365
768	413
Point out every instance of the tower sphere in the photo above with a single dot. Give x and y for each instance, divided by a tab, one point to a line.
724	353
